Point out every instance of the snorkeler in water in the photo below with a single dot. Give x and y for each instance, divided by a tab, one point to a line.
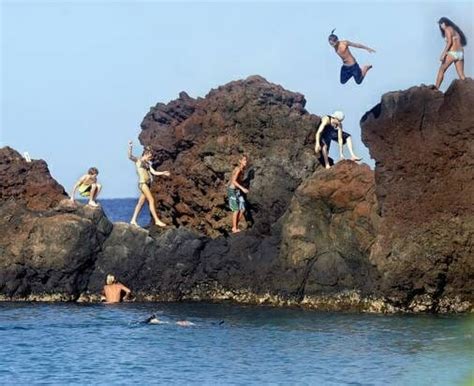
350	68
153	319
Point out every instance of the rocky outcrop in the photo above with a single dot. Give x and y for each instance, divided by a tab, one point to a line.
344	239
48	255
421	141
29	183
329	230
200	142
48	246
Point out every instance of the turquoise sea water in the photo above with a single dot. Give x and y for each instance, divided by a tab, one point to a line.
229	344
106	344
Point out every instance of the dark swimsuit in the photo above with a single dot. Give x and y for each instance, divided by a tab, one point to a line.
347	72
330	134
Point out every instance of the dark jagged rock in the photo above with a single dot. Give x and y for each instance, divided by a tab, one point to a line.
27	182
201	140
335	240
329	229
421	141
48	255
48	246
160	267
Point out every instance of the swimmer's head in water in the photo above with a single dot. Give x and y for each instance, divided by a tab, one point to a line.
110	279
332	38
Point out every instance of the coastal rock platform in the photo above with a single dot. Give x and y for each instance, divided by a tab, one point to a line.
348	238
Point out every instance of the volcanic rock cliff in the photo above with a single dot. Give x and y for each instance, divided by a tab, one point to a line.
399	239
200	141
422	142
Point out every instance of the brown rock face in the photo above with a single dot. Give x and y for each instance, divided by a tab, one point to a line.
47	247
200	142
422	143
48	253
329	229
28	183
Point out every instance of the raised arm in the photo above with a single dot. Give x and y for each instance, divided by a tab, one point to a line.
130	151
358	45
76	185
449	41
322	125
155	173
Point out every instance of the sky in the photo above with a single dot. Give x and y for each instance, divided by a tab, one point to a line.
77	77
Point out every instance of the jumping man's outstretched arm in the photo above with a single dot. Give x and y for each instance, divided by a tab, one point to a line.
130	150
324	122
357	45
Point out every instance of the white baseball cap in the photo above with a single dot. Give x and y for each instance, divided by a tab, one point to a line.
339	115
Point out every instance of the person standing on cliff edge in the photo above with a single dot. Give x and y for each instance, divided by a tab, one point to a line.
453	51
144	171
236	200
330	129
350	68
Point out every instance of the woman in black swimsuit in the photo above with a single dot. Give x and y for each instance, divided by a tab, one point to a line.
329	130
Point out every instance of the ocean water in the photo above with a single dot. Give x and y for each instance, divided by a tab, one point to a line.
229	344
121	209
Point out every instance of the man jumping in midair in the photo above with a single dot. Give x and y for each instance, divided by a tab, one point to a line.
350	68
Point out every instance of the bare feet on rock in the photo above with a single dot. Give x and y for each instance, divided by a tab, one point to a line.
134	223
235	230
93	204
160	224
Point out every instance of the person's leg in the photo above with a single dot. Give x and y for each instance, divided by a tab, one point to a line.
442	69
92	195
325	151
97	191
239	217
138	208
360	77
351	149
235	221
460	69
345	74
151	204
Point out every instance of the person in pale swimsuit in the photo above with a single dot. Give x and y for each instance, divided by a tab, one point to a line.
145	171
88	187
453	51
350	68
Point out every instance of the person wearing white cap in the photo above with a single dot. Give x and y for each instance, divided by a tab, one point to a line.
330	129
